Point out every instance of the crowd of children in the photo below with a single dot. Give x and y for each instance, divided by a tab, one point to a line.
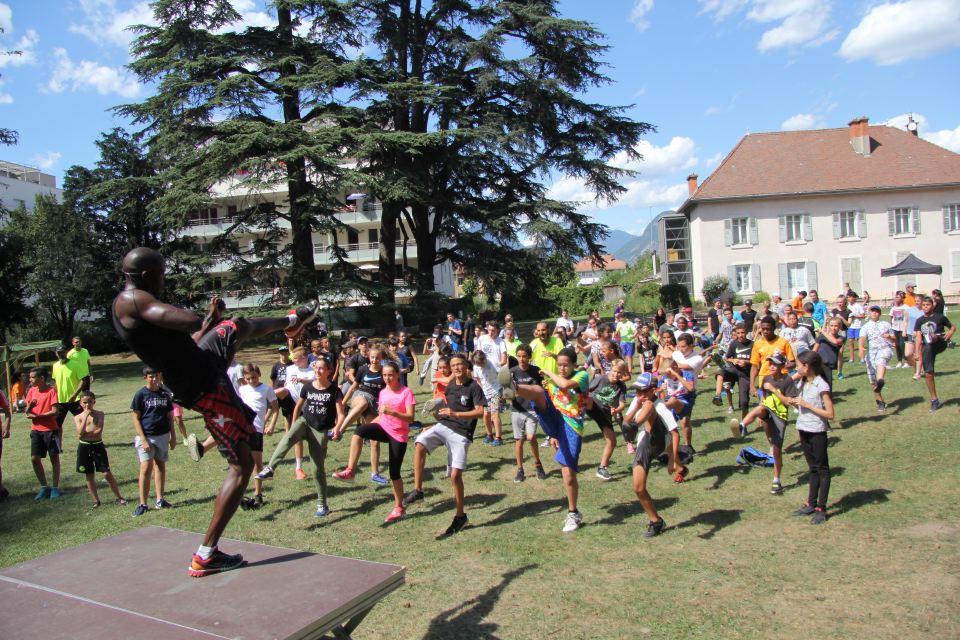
780	359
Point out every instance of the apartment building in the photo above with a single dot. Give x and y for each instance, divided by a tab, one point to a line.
359	237
20	185
794	210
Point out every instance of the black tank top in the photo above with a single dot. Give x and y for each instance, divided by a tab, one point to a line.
187	370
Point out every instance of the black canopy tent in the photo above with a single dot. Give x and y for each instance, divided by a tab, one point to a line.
911	265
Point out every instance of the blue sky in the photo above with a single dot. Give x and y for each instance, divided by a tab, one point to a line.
704	72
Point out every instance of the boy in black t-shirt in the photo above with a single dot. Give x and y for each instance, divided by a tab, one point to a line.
318	411
153	421
523	417
931	333
458	421
606	393
736	370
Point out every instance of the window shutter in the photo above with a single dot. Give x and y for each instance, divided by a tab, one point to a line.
812	276
755	277
732	277
727	232
807	227
916	221
754	233
861	223
784	278
836	225
891	222
783	228
955	267
946	219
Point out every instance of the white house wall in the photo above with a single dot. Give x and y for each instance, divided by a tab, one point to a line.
877	250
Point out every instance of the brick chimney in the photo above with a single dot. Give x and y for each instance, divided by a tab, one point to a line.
692	183
859	136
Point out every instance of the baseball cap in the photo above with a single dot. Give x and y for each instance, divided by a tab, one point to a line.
748	301
283	349
645	381
874	307
777	358
911	285
775	294
361	339
60	349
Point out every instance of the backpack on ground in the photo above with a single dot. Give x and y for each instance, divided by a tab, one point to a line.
754	457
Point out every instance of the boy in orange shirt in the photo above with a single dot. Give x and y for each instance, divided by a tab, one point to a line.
766	345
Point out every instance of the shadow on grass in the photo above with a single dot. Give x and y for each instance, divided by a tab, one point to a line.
520	511
490	468
474	501
716	519
860	498
720	445
469	619
852	422
720	474
620	513
903	403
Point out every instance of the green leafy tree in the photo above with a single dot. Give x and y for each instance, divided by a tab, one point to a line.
474	104
257	108
13	310
63	272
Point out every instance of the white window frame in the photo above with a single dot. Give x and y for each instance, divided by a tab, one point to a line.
910	232
749	266
792	286
735	225
853	216
953	216
798	239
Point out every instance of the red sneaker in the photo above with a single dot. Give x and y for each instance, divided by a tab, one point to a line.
396	514
304	314
300	474
346	474
218	562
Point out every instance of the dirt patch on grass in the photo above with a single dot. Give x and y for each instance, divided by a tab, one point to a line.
932	531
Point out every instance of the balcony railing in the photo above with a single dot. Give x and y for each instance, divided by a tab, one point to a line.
347	215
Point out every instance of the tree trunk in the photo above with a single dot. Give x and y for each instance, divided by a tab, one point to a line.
301	243
426	249
388	252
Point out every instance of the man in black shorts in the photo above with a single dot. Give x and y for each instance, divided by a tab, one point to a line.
736	369
931	333
169	339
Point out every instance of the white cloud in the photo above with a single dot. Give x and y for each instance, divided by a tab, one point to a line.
27	46
802	121
639	14
6	18
106	23
712	110
677	155
946	138
78	76
252	14
893	32
802	22
45	160
6	98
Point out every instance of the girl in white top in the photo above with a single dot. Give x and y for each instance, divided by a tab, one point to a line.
263	400
815	407
485	373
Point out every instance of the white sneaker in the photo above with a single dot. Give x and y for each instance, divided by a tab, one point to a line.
193	447
572	523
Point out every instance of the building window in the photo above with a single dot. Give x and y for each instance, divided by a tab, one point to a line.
904	221
738	228
951	218
794	226
353	237
796	276
372	236
955	265
742	283
848	224
851	272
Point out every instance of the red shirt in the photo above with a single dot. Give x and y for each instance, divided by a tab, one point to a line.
45	401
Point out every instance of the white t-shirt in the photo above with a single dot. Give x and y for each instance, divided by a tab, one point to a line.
258	398
857	312
486	376
235	373
694	361
875	333
297	377
493	348
799	336
565	323
665	414
898	317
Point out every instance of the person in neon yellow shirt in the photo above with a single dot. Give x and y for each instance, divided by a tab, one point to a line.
626	335
511	341
545	348
80	357
67	381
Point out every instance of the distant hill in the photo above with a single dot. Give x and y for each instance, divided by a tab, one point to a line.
618	238
629	247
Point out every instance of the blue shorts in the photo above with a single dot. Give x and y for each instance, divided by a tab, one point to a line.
853	334
555	426
688	400
626	348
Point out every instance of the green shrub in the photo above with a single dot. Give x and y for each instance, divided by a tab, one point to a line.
760	297
674	295
716	287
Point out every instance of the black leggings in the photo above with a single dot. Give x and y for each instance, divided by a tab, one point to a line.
815	451
373	431
899	344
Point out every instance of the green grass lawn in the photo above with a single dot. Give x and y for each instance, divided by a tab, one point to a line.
733	563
